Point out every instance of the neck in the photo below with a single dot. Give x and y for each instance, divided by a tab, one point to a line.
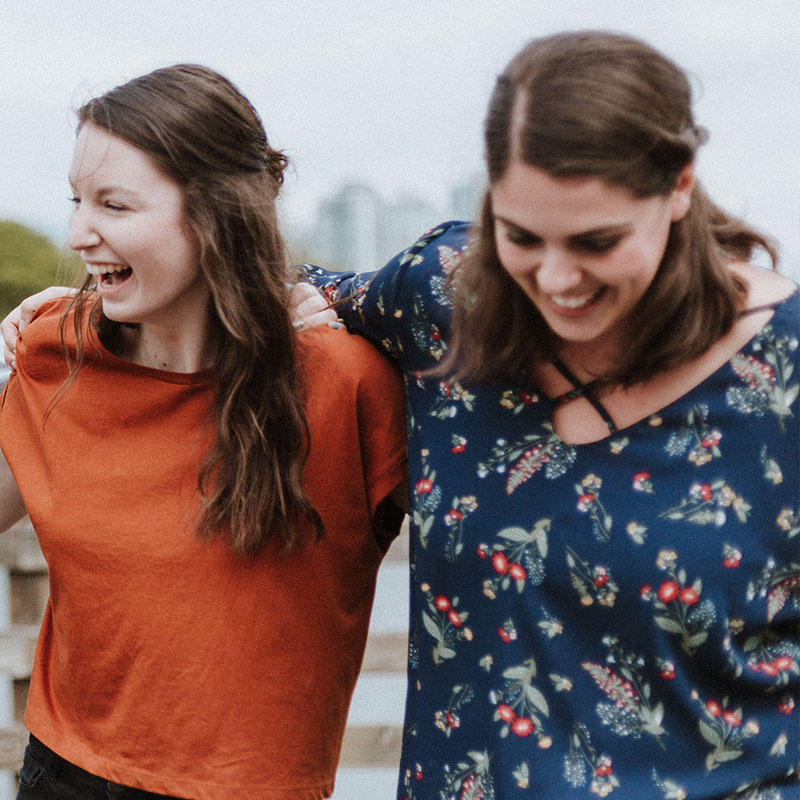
180	351
588	360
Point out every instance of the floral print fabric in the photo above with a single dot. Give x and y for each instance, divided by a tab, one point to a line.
616	618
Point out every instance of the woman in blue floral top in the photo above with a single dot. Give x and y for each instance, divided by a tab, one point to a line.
604	449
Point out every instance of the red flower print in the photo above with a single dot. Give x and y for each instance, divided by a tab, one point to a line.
688	596
507	634
731	556
786	705
423	486
454	617
506	713
522	726
713	708
442	603
783	662
500	563
646	592
668	591
734	720
604	766
517	572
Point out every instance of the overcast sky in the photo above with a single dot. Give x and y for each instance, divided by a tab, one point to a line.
392	93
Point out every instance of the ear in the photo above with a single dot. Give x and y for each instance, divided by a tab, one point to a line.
681	196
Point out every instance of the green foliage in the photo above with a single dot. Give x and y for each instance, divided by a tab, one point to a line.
29	262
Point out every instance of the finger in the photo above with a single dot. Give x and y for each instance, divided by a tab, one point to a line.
10	331
28	307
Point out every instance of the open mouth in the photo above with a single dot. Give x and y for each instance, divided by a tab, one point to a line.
109	275
576	302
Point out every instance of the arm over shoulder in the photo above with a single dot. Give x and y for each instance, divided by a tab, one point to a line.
403	308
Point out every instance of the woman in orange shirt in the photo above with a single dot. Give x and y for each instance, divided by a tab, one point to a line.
180	454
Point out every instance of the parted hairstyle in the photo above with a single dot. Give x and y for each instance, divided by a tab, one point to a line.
608	106
201	132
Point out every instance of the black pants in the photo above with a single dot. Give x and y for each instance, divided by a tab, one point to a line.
47	776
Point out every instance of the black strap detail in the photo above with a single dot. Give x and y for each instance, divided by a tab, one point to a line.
581	390
756	309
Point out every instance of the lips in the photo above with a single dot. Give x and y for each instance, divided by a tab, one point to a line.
109	275
575	302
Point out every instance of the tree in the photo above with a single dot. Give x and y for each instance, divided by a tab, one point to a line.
28	262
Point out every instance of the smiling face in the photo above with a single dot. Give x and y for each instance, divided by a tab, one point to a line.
129	227
583	251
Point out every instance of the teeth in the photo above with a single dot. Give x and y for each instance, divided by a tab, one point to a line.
102	269
576	301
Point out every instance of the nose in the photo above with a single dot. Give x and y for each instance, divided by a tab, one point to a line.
558	271
82	234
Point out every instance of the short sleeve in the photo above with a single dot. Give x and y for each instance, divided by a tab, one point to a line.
405	307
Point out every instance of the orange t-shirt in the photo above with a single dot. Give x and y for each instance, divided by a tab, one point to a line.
167	663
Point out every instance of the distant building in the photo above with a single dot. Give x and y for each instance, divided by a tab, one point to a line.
465	197
356	229
347	229
403	221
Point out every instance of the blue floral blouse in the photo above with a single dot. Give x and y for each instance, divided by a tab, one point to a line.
619	617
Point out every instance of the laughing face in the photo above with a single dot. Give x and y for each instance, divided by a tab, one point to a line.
584	251
129	227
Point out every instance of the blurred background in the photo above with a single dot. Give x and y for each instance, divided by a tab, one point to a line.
379	105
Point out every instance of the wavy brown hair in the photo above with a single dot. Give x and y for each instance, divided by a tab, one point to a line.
607	106
204	134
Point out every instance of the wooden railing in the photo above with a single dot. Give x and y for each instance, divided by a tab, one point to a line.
366	746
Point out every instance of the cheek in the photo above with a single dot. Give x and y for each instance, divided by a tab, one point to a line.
514	261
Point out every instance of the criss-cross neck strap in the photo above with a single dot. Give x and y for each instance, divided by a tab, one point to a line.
580	389
756	309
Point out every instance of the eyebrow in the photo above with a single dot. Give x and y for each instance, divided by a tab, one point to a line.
102	191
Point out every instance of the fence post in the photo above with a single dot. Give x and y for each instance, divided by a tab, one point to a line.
7	778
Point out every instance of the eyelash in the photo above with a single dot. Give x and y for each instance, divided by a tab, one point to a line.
111	206
599	247
522	239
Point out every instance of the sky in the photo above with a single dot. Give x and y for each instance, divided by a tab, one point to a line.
393	93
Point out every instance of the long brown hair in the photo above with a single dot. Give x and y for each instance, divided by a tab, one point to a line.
204	134
596	104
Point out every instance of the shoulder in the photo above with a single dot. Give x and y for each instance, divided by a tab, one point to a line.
42	334
440	248
764	286
338	358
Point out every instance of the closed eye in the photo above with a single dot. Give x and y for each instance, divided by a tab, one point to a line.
597	246
521	237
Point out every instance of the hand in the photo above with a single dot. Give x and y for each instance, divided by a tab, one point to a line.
311	309
19	318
